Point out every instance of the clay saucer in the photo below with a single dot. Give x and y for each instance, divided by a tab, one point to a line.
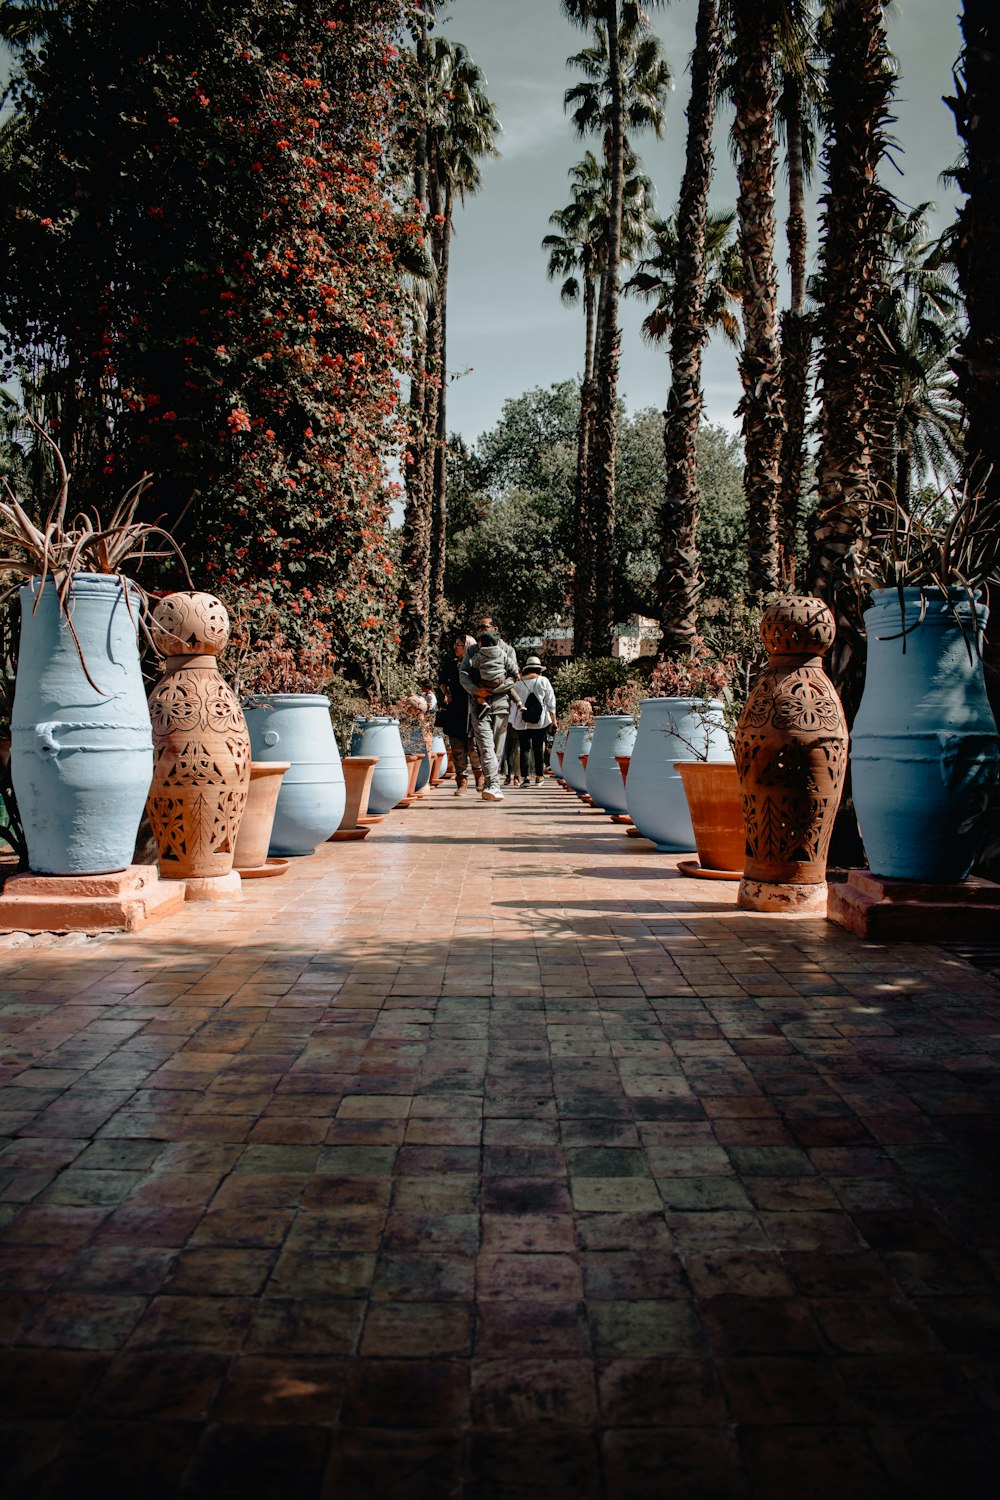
692	868
262	872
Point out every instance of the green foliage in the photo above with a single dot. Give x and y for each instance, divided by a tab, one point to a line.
513	493
511	566
533	445
593	677
203	243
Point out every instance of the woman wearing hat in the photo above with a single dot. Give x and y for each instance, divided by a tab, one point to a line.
532	715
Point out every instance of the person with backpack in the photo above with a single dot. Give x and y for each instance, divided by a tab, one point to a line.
488	675
455	718
532	714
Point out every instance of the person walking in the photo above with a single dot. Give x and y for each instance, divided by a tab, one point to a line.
456	718
532	715
487	675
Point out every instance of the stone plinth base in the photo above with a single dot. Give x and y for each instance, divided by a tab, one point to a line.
910	911
120	902
213	887
782	896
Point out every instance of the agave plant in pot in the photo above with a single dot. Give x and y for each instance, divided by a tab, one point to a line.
681	719
81	742
577	747
925	757
615	730
288	716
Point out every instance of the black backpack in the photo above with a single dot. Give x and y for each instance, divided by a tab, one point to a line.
532	708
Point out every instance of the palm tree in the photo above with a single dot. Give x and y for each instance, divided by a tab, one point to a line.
753	86
578	253
458	128
798	101
619	23
679	578
657	276
919	320
855	403
462	133
977	82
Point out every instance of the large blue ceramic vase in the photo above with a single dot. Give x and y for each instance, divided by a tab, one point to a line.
614	734
391	777
81	750
577	743
558	749
924	748
296	727
670	730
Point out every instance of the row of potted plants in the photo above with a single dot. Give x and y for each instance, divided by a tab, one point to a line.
924	752
89	755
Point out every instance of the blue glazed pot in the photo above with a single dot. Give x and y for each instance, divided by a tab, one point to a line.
558	748
924	749
669	728
81	755
296	727
578	740
389	782
614	734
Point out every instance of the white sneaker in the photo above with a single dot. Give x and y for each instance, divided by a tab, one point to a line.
492	794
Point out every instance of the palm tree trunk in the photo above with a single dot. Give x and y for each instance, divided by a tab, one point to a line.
679	582
856	214
754	99
439	505
583	577
978	365
601	520
796	339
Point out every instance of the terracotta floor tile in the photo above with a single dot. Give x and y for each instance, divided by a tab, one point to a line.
417	1329
489	1170
265	1390
663	1391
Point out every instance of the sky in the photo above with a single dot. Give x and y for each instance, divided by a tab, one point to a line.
506	324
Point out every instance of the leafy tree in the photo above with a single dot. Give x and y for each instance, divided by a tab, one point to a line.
203	250
511	565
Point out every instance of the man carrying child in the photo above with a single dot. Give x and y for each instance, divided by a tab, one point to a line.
487	675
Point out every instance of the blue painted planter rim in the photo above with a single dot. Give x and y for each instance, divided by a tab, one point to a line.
284	700
382	720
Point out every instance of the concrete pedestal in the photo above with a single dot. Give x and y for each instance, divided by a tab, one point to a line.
213	887
910	911
121	902
792	900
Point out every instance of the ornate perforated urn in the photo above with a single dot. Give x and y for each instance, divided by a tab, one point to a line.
201	748
791	757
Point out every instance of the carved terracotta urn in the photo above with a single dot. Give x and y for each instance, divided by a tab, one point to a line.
791	756
201	748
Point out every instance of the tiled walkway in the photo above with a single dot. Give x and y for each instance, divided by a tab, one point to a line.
490	1159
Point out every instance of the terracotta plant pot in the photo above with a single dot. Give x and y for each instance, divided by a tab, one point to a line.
254	836
413	770
358	773
712	789
624	761
791	754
